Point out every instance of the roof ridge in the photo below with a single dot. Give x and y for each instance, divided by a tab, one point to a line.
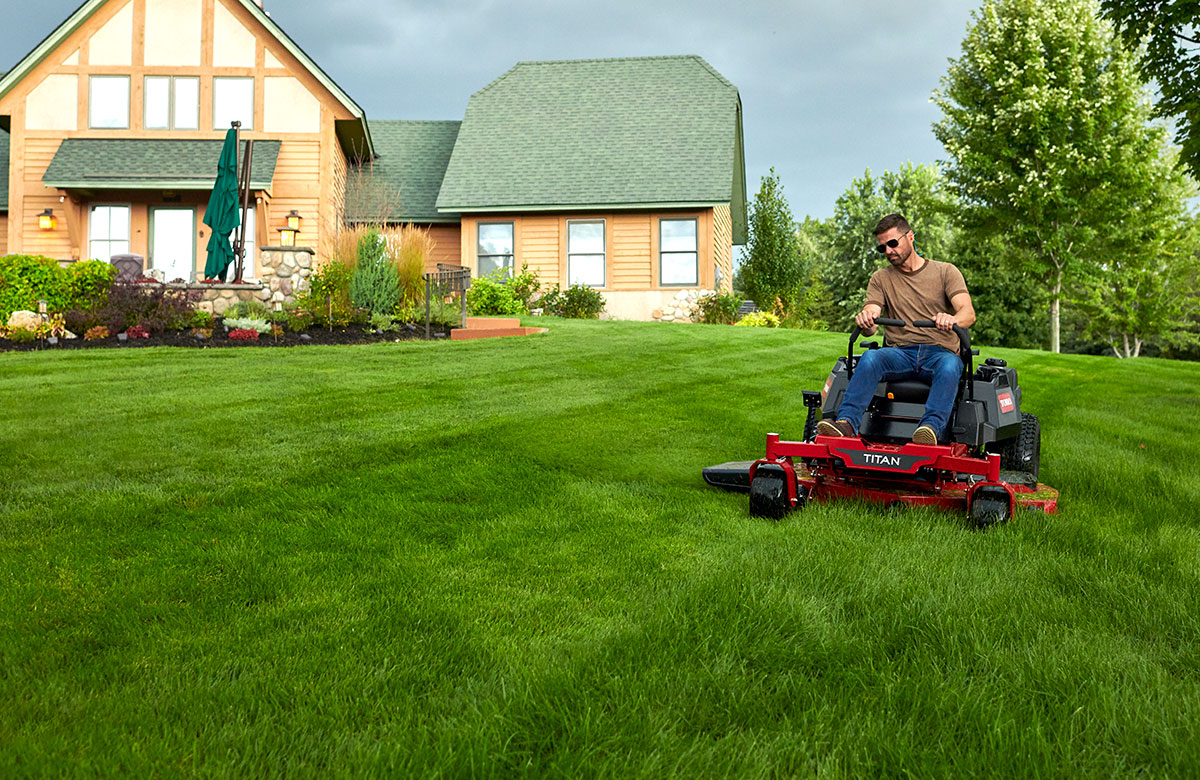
645	58
419	121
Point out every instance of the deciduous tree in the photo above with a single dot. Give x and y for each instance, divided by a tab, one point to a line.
1045	121
1170	32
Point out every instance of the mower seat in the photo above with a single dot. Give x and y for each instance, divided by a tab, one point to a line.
909	390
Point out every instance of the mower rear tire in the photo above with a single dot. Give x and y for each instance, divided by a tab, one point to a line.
769	493
1024	452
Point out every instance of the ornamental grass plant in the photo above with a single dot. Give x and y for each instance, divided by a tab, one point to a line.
497	558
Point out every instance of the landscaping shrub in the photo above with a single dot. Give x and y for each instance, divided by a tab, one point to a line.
374	285
493	295
252	309
759	319
525	286
247	323
26	279
243	334
576	302
137	332
95	333
154	307
297	319
718	308
328	294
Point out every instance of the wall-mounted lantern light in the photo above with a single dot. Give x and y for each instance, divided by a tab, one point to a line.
46	220
287	235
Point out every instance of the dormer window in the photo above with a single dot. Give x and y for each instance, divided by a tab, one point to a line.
108	102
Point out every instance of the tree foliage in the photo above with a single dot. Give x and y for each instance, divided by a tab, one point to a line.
1045	121
1170	32
770	268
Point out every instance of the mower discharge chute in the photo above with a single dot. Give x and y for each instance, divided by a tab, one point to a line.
987	462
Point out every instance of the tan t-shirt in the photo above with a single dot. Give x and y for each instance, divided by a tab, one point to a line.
917	296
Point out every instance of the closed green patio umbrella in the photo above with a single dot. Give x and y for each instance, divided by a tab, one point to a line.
222	214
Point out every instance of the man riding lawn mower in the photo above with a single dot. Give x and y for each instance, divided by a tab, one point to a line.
912	422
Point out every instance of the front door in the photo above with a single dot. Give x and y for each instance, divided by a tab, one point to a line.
172	243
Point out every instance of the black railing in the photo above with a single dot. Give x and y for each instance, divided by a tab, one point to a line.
444	283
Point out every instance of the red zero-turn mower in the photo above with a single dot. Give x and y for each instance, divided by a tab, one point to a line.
986	464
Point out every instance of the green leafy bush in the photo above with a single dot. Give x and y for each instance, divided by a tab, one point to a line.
493	295
525	285
297	319
577	302
26	279
374	285
718	308
328	295
201	319
759	319
384	323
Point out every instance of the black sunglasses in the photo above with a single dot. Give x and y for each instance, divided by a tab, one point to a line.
881	248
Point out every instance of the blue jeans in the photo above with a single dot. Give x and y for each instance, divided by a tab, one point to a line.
936	365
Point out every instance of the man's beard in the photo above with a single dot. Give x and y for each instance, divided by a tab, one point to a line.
901	260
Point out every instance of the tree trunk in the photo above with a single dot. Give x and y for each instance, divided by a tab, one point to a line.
1054	309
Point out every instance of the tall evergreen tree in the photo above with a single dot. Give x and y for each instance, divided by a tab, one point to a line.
770	270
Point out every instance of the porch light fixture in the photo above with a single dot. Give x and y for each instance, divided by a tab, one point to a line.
287	235
46	220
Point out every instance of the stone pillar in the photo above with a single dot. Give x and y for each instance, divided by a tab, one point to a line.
284	270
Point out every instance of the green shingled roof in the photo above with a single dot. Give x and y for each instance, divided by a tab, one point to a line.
3	171
144	164
402	183
638	132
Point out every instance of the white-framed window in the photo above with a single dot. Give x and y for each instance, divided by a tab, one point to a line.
233	100
251	262
108	231
678	258
585	252
171	103
108	102
495	249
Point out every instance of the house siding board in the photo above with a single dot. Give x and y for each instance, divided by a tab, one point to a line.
447	246
723	246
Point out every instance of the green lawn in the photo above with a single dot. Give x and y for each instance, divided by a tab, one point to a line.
497	558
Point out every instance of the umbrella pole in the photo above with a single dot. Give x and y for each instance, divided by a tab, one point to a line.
239	249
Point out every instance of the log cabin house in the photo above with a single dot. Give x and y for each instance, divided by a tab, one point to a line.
623	174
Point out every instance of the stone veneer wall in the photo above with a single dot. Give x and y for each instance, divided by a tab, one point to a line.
283	272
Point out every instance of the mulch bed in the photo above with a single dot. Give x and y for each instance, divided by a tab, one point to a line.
353	334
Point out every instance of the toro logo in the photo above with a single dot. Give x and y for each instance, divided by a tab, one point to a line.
1006	402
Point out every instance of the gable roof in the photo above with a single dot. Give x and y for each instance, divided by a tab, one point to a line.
353	134
620	133
158	163
402	183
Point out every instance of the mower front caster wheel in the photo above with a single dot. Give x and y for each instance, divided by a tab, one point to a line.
769	493
990	507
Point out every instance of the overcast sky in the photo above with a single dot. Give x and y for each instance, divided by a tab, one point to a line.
829	89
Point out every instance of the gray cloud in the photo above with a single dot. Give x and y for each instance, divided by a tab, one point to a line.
828	89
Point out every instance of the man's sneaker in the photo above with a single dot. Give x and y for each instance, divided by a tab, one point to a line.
839	428
925	435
